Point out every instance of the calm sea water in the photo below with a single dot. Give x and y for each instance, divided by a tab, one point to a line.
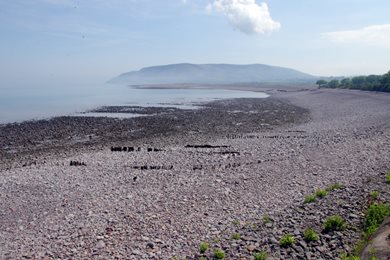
44	102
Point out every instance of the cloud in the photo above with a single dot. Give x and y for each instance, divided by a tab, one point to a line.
246	15
374	35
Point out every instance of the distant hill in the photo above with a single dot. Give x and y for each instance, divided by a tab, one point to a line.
186	73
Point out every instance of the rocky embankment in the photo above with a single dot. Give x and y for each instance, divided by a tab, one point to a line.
233	175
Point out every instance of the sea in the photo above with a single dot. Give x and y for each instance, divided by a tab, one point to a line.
34	103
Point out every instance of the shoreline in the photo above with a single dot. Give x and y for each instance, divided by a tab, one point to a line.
227	167
185	105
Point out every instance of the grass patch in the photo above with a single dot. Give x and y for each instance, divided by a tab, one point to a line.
334	223
345	256
376	214
310	235
203	247
267	219
236	222
374	195
287	240
260	255
309	199
219	253
388	177
236	236
335	186
321	193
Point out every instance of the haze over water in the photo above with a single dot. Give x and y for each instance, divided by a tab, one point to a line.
39	102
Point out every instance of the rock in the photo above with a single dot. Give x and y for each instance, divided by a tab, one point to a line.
136	252
272	240
100	245
302	244
268	225
251	247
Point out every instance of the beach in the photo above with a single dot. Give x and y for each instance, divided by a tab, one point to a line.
195	175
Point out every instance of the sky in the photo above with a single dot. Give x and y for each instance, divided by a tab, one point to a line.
95	40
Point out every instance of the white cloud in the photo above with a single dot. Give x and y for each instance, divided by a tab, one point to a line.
246	15
375	35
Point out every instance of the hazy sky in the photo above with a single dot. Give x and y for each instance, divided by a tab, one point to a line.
57	40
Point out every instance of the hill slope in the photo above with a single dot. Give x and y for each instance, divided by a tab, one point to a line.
211	74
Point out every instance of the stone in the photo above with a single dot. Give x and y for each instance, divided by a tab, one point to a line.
251	247
100	244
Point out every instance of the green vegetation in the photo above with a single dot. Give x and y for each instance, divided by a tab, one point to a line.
370	83
202	258
334	223
345	256
260	255
287	240
372	252
216	240
236	222
321	193
310	199
388	177
374	195
267	219
310	235
219	253
203	247
333	187
376	214
236	236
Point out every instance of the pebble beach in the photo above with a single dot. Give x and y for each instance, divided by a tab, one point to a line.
237	166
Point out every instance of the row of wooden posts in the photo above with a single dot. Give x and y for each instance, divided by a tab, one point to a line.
266	137
133	149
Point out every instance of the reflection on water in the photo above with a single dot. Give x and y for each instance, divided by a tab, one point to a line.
36	103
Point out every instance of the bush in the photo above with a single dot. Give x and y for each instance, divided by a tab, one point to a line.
260	255
287	240
309	199
203	247
334	223
374	217
219	253
236	236
310	235
321	193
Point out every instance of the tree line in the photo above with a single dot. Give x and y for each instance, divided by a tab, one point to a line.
368	83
